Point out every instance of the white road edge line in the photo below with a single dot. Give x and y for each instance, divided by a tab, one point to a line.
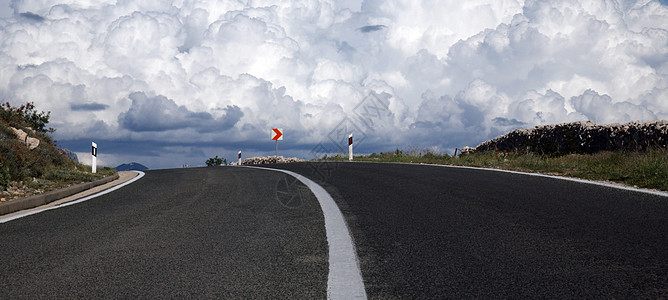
585	181
345	278
140	175
621	187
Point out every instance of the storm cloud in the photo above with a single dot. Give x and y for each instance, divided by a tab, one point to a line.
32	17
94	106
371	28
217	75
161	114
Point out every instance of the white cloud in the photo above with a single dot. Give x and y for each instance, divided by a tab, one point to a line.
601	109
218	74
5	9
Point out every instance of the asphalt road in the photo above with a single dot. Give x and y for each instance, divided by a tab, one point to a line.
183	233
420	232
437	232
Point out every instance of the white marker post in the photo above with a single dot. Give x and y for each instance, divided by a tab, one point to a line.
239	158
350	147
94	160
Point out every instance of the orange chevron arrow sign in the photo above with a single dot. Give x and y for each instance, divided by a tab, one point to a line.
277	134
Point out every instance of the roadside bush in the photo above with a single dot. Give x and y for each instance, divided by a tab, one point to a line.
216	161
71	175
14	157
4	177
26	116
21	162
42	168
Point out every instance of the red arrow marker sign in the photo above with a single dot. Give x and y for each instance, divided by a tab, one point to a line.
277	134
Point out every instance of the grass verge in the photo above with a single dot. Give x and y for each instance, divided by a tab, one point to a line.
645	169
30	161
53	179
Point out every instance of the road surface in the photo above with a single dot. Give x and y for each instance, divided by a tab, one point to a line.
439	232
181	233
419	232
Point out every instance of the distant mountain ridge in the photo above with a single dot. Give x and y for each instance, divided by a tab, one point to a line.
133	166
73	156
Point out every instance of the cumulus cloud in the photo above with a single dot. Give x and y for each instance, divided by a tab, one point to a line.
5	9
194	76
161	114
601	109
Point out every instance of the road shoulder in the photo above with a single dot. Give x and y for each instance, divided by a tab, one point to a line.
65	195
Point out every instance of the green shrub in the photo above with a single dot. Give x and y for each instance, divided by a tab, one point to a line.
216	161
25	116
4	177
21	162
69	175
44	167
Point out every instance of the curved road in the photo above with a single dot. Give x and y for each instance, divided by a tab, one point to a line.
439	232
420	232
181	233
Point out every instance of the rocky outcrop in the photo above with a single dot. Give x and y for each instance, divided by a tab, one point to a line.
467	150
269	160
581	137
71	155
30	142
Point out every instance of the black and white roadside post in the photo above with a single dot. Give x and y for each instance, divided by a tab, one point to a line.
94	160
239	158
350	147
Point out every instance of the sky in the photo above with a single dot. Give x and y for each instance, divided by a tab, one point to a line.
173	82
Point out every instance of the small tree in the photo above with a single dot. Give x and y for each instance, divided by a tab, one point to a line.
26	115
215	161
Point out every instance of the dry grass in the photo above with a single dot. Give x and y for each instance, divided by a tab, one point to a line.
644	169
25	171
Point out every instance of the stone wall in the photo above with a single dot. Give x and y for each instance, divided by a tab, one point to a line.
581	137
269	160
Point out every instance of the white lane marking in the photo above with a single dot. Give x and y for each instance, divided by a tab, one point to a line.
345	278
32	212
610	185
621	187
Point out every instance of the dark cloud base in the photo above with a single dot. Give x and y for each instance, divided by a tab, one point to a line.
127	151
372	28
32	17
88	106
158	113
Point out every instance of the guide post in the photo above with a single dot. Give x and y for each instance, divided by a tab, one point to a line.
350	147
94	158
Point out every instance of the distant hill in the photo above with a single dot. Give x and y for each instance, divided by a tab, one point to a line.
133	166
71	155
